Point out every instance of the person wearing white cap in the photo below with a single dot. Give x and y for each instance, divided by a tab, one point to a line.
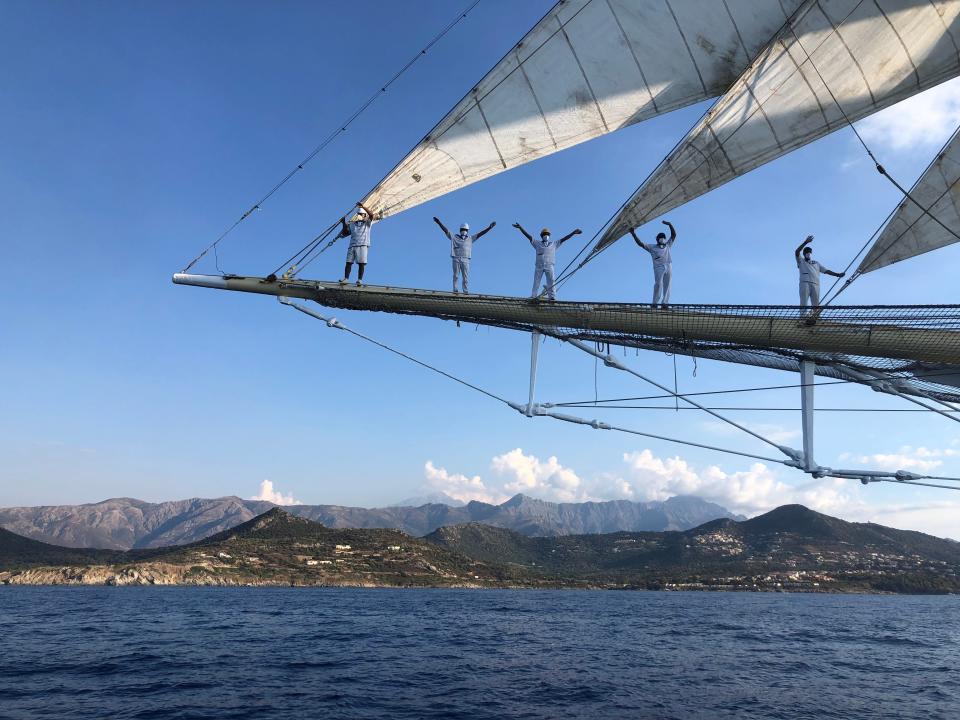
359	232
546	249
810	271
461	250
662	263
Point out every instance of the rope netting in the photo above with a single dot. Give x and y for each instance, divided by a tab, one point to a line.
917	346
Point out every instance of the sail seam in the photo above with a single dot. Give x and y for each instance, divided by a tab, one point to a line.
586	80
486	124
633	54
543	115
903	45
946	28
853	58
687	46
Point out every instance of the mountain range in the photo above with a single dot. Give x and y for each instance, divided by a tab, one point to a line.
790	548
125	523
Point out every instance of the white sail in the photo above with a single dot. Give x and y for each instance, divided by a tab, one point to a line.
861	54
589	67
912	231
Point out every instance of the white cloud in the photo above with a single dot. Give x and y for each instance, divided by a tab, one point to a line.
756	489
458	486
918	459
924	120
751	491
529	475
940	519
268	493
773	432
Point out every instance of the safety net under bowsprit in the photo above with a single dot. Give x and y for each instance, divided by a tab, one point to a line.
913	349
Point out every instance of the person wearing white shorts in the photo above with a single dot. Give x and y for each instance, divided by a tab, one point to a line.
358	230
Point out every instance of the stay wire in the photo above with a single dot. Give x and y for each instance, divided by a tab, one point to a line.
306	249
477	99
332	322
880	169
341	128
565	275
896	208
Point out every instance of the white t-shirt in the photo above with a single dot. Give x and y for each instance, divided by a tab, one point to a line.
546	251
809	270
461	247
360	233
660	255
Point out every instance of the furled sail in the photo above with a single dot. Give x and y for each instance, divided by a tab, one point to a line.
862	55
911	231
589	67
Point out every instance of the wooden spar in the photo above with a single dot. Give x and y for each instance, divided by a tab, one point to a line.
732	325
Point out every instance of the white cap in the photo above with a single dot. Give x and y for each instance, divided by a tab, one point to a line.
464	226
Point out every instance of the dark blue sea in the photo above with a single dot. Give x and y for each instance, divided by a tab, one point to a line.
330	653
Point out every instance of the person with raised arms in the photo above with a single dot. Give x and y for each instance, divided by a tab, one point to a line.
461	251
810	271
662	263
546	249
359	232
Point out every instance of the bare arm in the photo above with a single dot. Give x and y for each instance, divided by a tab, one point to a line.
442	226
637	240
367	211
802	246
483	232
831	272
673	231
527	235
562	240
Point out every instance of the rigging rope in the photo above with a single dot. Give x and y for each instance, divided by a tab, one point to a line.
896	208
564	275
341	128
333	323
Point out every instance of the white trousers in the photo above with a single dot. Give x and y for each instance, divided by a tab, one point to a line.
461	266
809	294
538	274
661	284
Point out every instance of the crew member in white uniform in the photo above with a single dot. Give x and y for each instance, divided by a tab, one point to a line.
810	271
461	250
359	232
662	263
546	249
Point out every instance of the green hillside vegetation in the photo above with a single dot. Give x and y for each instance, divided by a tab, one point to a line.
790	548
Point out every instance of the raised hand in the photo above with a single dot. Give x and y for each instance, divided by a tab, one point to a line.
516	225
578	231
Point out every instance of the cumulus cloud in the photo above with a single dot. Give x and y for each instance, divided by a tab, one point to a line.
919	459
754	490
268	493
544	479
773	432
643	476
459	486
922	121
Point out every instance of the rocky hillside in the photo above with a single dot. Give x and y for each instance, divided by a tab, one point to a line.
125	523
790	548
275	548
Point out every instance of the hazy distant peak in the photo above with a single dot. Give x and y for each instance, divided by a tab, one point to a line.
435	498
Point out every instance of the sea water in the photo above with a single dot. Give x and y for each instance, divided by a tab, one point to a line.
90	652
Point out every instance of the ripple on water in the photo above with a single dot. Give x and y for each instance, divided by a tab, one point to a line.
297	653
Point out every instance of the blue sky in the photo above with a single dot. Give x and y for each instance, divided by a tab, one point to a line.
134	133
